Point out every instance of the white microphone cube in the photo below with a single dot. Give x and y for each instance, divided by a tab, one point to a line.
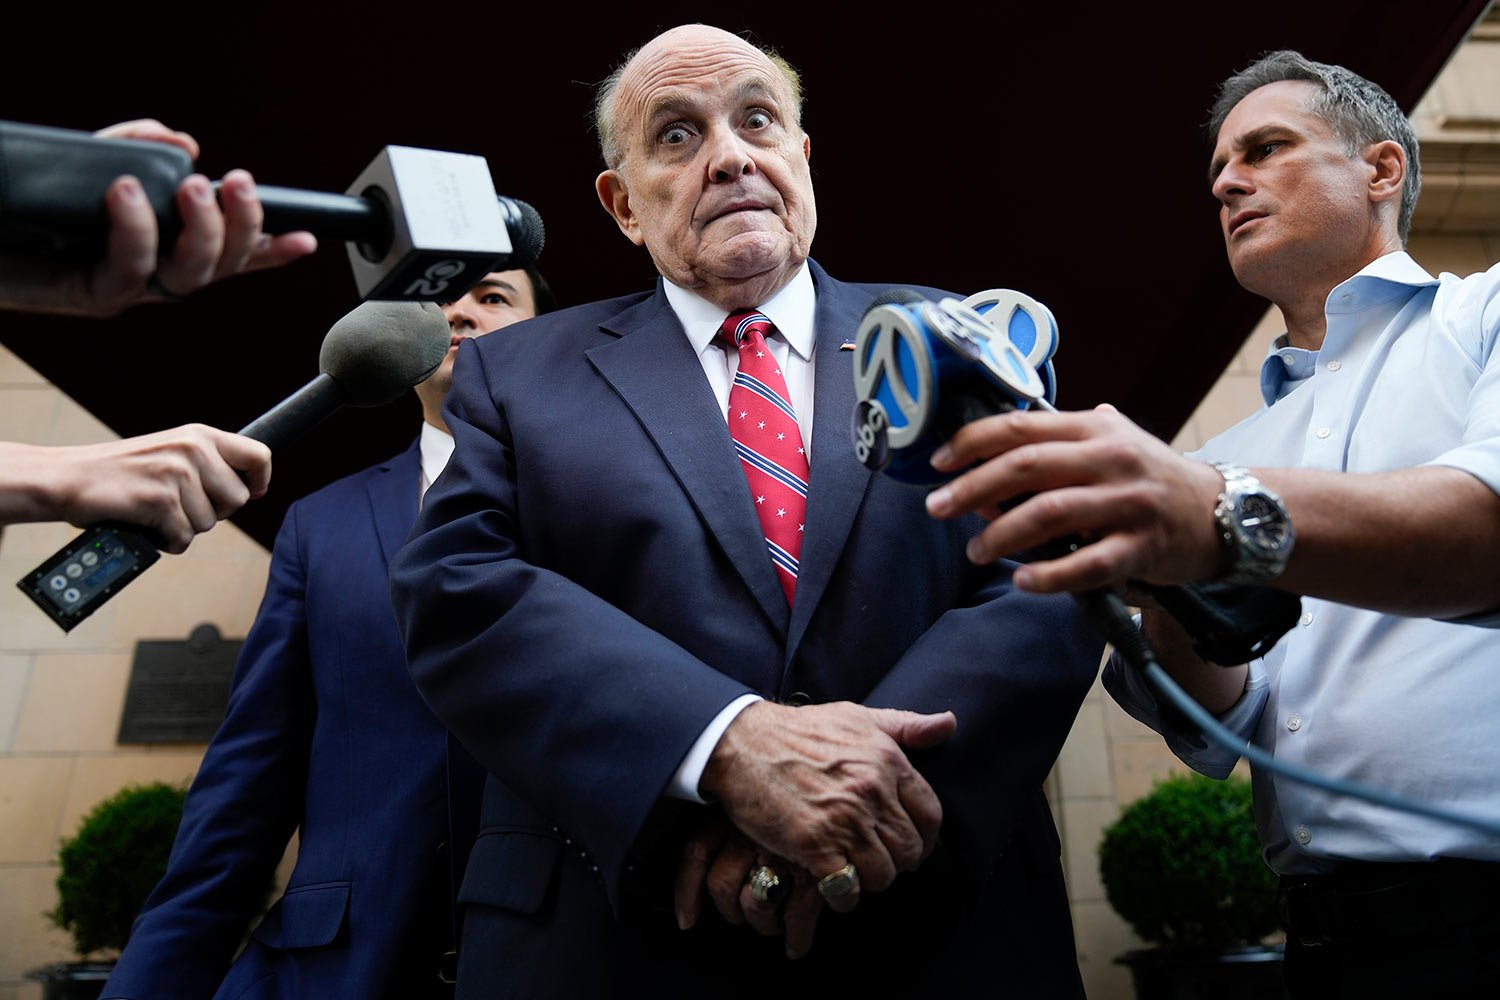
447	230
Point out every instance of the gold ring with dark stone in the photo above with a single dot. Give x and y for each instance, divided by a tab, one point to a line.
841	883
766	886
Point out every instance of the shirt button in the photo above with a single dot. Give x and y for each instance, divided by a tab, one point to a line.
1304	836
1334	366
1306	619
1288	360
1294	722
1323	432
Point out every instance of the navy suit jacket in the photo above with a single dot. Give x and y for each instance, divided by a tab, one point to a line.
325	735
588	585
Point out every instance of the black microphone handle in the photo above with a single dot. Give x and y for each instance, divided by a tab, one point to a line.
298	413
367	220
344	217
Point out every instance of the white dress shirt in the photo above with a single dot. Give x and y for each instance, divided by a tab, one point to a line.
791	310
436	447
1408	375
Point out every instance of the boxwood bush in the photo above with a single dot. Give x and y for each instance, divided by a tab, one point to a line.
1182	866
110	865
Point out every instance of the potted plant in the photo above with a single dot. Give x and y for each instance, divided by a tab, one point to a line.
1182	866
107	869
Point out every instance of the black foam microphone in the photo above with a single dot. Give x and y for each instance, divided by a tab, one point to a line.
369	357
420	224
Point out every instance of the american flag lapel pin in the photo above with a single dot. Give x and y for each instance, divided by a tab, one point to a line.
847	345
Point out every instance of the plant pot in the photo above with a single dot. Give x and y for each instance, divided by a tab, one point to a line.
72	980
1241	974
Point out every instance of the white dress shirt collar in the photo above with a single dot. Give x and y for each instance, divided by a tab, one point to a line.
791	309
436	447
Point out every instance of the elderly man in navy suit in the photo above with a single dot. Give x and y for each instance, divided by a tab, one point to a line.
719	674
325	735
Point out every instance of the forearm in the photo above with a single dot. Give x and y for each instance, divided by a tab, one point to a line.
31	483
1214	687
1421	542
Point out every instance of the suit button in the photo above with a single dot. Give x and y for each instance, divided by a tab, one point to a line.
798	698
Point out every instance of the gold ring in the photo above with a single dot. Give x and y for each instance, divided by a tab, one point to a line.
841	883
766	886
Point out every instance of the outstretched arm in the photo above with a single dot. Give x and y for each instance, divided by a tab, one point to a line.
220	237
178	482
1418	541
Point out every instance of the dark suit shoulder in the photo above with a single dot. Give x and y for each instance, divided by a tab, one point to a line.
569	331
341	491
875	288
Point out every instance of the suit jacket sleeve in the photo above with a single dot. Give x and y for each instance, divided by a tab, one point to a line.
241	809
578	707
1014	668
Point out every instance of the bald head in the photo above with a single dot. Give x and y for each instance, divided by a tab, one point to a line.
606	114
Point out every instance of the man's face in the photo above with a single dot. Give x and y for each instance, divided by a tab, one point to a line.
714	178
502	298
1294	206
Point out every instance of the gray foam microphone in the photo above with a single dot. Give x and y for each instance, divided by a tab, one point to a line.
371	356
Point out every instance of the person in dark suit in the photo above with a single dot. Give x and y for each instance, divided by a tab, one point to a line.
705	699
325	736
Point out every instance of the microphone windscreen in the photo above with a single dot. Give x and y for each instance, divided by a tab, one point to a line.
893	296
527	234
380	349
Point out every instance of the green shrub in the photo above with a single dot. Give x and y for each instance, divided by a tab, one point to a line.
1182	866
111	864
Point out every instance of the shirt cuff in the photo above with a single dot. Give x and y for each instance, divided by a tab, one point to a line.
684	784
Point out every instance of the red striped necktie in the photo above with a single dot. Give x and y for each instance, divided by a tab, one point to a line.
768	441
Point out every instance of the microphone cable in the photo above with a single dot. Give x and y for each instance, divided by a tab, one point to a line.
1110	615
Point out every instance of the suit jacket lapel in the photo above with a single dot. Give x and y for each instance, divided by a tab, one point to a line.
653	369
393	498
837	483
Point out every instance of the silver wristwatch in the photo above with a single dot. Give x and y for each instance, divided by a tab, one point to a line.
1255	531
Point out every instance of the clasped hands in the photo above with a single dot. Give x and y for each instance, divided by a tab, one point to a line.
807	791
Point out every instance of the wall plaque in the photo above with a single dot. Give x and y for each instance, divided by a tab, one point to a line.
178	688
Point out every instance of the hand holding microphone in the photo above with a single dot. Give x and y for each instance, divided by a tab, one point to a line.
177	482
945	386
1097	504
1144	507
419	224
186	479
134	261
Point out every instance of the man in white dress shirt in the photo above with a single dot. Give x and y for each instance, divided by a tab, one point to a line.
1376	464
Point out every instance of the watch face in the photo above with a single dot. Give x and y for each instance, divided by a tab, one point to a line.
1264	524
